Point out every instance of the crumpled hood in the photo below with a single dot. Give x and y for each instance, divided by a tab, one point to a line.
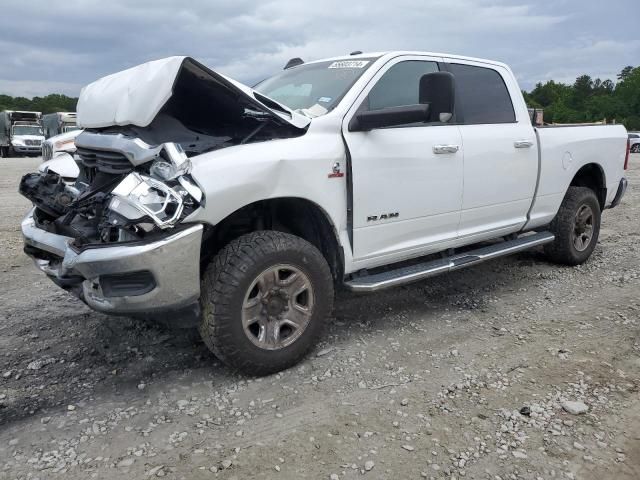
135	96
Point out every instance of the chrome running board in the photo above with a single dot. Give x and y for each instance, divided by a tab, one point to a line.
413	273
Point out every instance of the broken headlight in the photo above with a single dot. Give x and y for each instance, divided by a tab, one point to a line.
160	198
176	164
138	196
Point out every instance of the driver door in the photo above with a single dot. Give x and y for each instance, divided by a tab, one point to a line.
407	189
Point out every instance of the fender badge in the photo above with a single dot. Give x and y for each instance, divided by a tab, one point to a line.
336	171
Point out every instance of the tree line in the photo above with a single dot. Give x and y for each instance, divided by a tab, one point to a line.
587	100
49	104
590	100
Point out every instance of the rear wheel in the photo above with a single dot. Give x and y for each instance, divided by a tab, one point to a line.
635	148
576	227
265	301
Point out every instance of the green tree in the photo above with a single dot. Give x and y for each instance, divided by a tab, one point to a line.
581	91
627	92
625	72
48	104
549	93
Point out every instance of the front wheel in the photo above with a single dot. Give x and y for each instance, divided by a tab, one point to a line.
635	148
265	300
576	227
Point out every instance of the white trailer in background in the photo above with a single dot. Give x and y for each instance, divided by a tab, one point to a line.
58	122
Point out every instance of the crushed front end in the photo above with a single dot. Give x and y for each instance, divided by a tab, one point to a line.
114	237
118	235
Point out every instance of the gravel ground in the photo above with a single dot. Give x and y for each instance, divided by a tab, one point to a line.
511	369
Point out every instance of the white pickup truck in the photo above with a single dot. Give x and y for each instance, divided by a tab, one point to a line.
243	209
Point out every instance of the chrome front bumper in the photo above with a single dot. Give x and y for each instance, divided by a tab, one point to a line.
170	266
27	148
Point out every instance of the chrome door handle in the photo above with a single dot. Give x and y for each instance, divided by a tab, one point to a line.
438	149
523	144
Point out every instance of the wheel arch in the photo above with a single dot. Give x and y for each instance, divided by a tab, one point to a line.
295	215
591	175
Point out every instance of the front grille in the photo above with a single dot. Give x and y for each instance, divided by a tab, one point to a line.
103	161
33	143
47	151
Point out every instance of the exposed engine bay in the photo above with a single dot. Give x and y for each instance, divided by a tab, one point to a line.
109	201
134	180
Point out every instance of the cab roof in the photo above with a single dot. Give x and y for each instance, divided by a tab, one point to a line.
396	53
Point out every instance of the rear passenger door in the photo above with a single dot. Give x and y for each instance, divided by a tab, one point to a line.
500	151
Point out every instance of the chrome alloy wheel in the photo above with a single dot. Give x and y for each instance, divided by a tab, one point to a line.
583	228
277	307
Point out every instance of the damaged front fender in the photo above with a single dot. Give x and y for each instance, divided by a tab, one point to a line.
63	164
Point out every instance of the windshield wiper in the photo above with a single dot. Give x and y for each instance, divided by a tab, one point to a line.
257	114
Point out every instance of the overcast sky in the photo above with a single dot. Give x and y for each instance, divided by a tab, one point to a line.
48	47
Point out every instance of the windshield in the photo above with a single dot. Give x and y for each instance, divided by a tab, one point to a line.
27	130
314	86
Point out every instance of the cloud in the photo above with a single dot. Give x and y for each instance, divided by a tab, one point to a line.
35	88
599	58
79	41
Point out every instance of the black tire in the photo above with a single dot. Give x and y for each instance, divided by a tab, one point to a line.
566	227
225	289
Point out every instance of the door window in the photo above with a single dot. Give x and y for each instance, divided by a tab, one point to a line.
399	85
481	95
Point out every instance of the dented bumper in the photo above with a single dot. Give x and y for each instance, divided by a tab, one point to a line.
135	278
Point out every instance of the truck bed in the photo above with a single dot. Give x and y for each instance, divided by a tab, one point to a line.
563	150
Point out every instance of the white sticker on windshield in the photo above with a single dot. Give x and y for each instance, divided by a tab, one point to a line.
324	99
349	64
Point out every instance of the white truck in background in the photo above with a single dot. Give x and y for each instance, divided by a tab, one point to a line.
243	209
20	133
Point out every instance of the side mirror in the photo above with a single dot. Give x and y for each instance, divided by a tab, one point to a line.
438	91
388	117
